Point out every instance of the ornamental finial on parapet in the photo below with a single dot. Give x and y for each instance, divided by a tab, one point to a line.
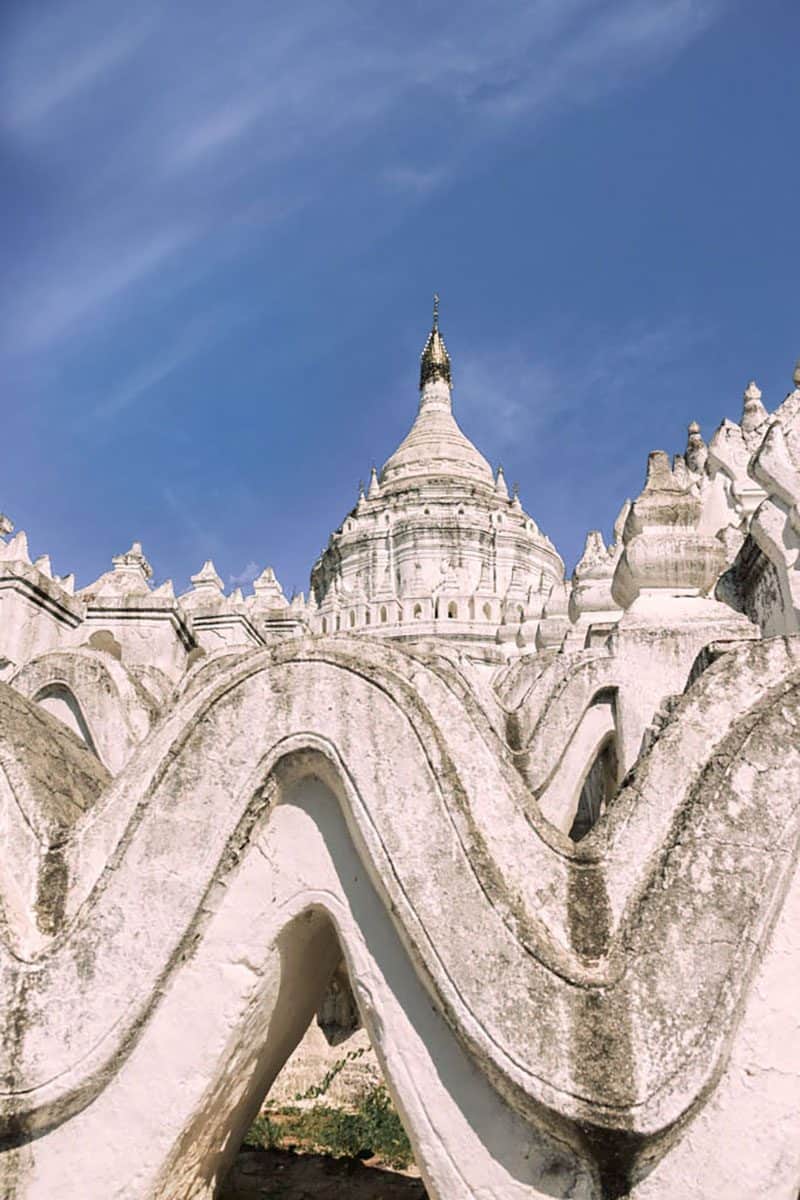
696	452
435	361
753	412
796	375
374	485
133	560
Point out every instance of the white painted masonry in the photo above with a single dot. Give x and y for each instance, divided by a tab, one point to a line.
545	831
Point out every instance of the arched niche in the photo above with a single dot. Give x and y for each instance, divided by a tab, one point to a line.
587	771
60	702
598	789
103	702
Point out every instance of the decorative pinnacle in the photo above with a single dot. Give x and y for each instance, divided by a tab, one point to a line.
435	361
796	376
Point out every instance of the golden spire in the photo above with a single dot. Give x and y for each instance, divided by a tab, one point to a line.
435	361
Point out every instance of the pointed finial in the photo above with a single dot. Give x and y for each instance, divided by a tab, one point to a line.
434	360
796	376
207	578
696	452
133	560
753	411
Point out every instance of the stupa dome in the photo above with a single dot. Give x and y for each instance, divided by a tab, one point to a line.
435	546
435	448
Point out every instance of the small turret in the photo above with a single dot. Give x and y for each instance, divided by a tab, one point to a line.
207	581
500	485
753	411
696	449
133	562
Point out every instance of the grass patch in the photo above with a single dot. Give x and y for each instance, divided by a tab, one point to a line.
372	1129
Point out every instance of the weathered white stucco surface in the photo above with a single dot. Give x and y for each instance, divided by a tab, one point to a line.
545	831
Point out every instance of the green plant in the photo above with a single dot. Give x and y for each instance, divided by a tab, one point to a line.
263	1133
319	1089
373	1128
383	1128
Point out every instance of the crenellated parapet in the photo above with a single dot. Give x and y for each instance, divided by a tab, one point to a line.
151	630
38	610
148	625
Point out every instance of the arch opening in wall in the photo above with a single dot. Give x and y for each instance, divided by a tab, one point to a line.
60	702
452	610
417	612
384	614
487	611
293	920
352	620
336	1059
327	1091
599	787
324	624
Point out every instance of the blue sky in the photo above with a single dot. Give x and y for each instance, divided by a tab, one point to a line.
223	225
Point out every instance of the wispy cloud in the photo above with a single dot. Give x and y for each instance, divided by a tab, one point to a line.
53	301
507	396
196	337
185	140
247	574
215	132
416	180
510	396
58	59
